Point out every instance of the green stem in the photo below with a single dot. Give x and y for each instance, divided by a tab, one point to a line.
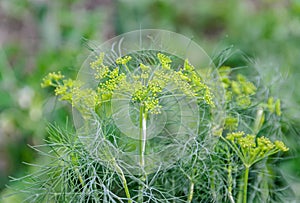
191	192
212	185
142	148
229	177
79	177
246	175
141	189
234	148
143	136
122	177
173	188
127	69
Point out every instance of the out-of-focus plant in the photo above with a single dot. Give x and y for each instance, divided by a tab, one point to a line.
36	37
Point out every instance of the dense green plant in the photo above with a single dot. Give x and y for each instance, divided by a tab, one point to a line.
149	131
274	35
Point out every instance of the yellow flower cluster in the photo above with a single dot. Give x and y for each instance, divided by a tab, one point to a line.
99	67
66	89
145	71
281	146
164	61
52	79
123	60
200	90
112	80
240	89
146	91
98	62
274	107
234	135
63	88
265	144
231	123
247	141
69	90
251	149
145	85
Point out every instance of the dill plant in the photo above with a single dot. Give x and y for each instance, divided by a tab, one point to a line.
151	126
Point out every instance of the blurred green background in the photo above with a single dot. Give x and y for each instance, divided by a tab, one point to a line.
39	36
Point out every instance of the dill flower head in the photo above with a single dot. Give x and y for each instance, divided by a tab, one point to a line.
52	79
281	146
127	90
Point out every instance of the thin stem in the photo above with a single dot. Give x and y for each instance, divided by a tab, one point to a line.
173	188
264	156
246	175
122	177
141	190
127	69
234	148
191	192
229	177
212	185
79	177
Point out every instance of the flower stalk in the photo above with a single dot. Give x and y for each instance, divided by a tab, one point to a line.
246	176
251	149
191	192
142	149
143	135
123	179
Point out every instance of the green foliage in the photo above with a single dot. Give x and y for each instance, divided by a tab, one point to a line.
37	38
100	162
47	36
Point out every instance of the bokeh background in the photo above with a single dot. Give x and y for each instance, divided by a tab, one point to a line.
39	36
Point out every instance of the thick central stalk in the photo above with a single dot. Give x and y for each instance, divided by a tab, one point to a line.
246	175
191	192
143	136
142	149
